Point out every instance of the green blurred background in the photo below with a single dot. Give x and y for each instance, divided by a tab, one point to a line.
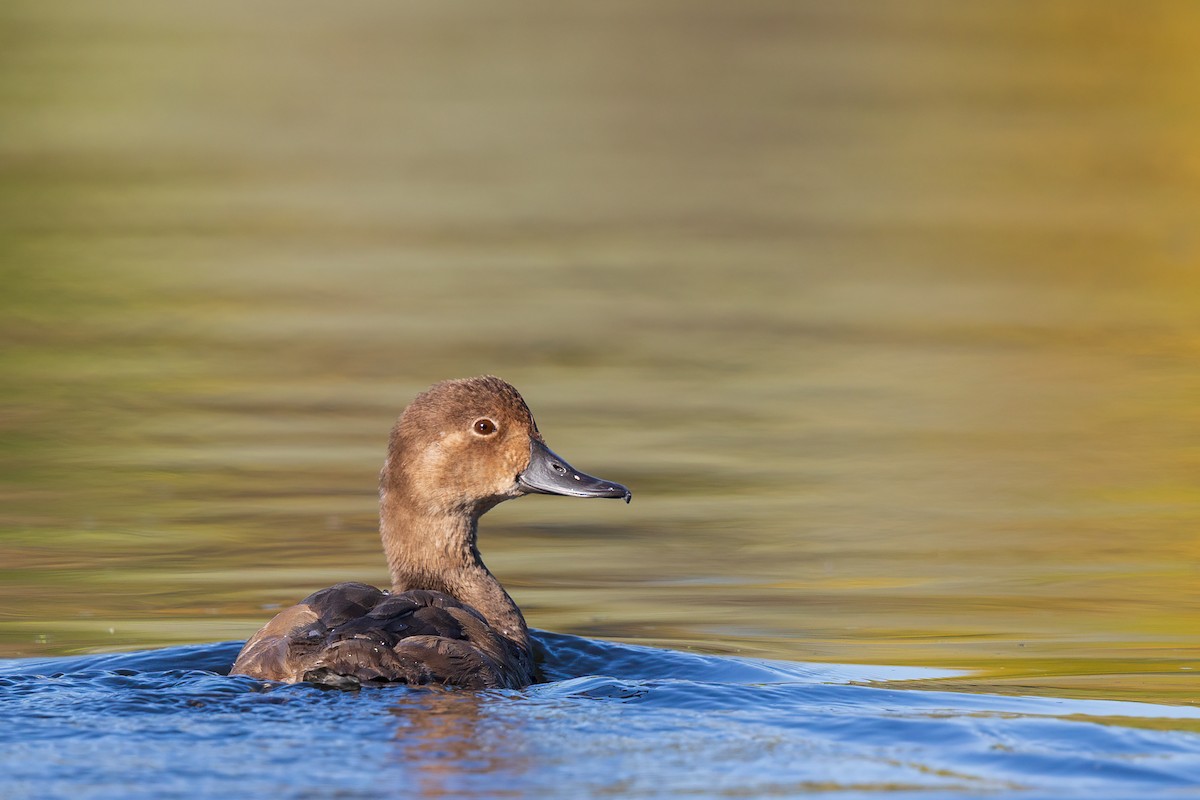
887	312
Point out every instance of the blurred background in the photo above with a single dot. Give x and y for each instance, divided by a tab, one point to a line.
887	312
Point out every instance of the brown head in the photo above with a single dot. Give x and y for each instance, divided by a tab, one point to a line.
463	446
459	449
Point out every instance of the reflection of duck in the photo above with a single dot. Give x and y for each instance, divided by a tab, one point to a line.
455	744
458	450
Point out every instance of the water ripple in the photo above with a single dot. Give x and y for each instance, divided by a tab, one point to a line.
614	719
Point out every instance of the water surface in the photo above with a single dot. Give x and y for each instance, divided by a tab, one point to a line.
614	720
887	314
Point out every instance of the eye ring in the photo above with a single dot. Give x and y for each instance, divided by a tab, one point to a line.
483	427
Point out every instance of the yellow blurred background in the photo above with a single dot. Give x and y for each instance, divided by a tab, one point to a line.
887	312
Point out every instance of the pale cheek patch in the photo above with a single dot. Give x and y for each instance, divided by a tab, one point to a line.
516	457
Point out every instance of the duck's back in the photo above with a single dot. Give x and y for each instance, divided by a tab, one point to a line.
352	634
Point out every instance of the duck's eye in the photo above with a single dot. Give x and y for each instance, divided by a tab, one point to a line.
484	427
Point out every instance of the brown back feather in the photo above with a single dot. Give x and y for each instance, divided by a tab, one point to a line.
352	634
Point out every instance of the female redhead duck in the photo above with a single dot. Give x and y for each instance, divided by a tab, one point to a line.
458	450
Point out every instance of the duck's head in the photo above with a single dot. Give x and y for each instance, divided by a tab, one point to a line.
463	446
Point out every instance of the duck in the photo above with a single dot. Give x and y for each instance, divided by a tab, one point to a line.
457	451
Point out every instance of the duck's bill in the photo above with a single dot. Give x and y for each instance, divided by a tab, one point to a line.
549	474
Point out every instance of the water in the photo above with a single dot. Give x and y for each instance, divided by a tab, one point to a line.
887	313
614	720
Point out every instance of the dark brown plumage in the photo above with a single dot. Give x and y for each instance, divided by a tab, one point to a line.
458	450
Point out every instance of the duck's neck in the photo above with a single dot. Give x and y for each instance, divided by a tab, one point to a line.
438	551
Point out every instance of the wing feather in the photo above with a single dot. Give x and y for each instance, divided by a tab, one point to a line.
353	634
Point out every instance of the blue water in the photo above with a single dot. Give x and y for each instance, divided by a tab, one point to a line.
615	720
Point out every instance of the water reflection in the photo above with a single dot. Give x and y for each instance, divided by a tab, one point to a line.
444	739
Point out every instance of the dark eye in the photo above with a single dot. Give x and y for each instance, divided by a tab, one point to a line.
484	427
